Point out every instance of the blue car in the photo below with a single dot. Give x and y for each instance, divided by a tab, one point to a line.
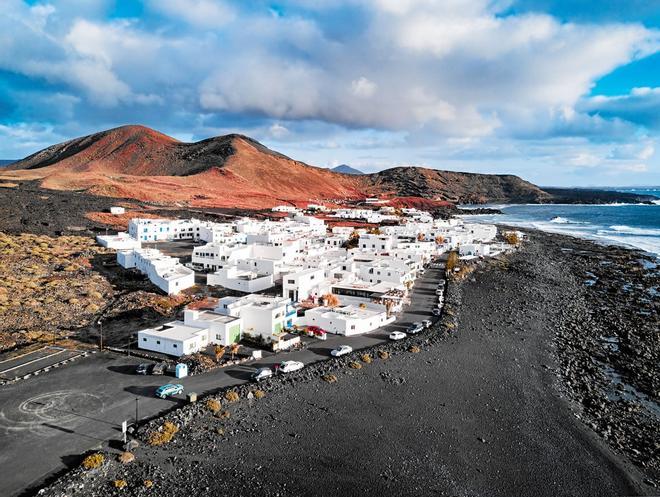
169	390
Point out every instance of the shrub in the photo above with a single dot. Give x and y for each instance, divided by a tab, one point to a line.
414	349
259	394
329	378
383	354
213	405
232	396
512	238
220	431
164	434
452	261
148	483
93	461
354	365
223	415
119	483
126	457
366	358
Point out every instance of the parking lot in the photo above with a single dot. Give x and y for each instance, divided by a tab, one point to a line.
35	361
48	420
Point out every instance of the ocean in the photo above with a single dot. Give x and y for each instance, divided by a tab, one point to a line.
631	225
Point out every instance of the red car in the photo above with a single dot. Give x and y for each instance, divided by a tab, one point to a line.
315	331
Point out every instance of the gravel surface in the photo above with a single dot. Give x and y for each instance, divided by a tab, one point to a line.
497	399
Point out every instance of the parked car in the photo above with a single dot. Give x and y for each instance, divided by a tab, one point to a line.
397	335
159	369
439	291
427	323
261	374
415	328
142	368
315	331
341	350
168	390
290	366
436	312
440	298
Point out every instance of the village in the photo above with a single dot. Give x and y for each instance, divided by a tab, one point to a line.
294	275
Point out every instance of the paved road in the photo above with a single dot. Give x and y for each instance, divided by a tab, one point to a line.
46	422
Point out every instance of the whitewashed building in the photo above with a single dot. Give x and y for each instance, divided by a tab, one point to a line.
162	270
262	315
120	241
348	320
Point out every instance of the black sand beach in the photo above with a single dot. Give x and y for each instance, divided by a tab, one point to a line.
517	399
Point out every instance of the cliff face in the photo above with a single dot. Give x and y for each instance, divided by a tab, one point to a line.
237	171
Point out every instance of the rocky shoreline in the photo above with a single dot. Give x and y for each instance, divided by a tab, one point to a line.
519	390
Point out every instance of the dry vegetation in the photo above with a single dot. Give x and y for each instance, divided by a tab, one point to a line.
119	484
213	405
329	378
126	457
93	461
49	286
383	354
354	365
414	349
46	284
259	394
232	396
163	435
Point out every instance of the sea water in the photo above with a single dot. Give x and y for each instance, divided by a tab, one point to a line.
631	225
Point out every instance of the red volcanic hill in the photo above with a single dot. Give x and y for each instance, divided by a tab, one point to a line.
236	171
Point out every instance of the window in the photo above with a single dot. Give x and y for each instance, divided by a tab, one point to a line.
157	342
174	345
144	339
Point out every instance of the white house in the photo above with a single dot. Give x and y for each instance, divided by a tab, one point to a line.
306	283
120	241
376	243
474	250
155	230
174	338
162	270
242	280
117	211
223	329
284	208
348	320
262	315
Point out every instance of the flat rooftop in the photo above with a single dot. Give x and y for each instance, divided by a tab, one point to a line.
174	330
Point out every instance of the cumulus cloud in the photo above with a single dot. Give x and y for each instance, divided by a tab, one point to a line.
199	13
449	79
641	106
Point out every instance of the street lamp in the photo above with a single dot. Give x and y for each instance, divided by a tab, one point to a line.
101	335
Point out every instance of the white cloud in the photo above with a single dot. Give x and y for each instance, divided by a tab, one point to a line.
199	13
452	79
363	88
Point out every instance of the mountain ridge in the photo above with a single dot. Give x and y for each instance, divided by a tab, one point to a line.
135	161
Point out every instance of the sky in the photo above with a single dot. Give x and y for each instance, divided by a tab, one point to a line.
558	92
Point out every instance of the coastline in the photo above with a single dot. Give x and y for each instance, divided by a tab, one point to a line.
503	399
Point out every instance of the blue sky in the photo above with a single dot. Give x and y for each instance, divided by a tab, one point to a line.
558	92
